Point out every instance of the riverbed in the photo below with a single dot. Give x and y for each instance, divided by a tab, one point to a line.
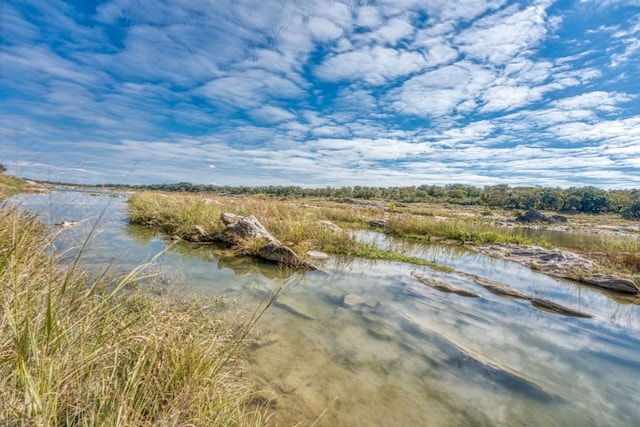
363	343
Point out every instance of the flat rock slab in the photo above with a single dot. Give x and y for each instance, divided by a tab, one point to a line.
554	307
442	286
496	288
562	264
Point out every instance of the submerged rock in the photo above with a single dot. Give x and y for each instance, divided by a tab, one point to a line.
442	286
66	224
496	288
554	307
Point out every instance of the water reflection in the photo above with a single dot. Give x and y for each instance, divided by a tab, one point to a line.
364	343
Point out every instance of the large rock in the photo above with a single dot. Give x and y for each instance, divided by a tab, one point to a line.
246	227
247	232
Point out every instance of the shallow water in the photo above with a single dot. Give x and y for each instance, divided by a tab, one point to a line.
364	343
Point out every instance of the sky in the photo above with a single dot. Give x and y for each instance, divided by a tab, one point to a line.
319	93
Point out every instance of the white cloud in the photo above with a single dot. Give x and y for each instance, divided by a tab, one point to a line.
368	17
249	89
375	65
323	29
439	92
504	35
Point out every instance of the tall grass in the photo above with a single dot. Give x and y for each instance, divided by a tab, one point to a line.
296	225
79	350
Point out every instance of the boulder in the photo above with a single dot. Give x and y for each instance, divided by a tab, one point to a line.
532	216
249	234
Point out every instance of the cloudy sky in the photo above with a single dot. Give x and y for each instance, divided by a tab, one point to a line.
322	93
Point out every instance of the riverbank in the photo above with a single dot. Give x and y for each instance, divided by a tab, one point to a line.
78	349
322	225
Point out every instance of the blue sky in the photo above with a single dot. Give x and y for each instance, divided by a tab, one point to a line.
322	93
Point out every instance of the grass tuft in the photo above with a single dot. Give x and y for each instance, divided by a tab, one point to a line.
80	350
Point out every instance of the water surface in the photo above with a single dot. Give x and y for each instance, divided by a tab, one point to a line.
362	343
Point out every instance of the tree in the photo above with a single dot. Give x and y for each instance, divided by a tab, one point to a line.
3	168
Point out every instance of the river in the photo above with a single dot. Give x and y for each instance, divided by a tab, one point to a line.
363	343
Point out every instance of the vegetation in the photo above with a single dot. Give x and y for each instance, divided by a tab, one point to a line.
633	212
297	223
78	350
10	185
571	200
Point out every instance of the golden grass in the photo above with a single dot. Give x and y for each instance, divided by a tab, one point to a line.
79	350
295	223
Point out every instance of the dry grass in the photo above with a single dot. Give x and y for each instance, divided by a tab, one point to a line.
296	224
78	350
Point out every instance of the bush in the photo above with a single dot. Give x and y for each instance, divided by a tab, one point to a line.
633	212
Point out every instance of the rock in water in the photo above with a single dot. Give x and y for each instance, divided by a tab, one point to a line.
442	286
496	288
554	307
247	228
612	283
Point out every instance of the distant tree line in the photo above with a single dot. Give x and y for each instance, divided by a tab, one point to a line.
575	199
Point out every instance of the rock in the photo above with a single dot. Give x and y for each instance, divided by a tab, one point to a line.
532	215
554	307
246	227
496	288
562	264
328	225
317	255
611	283
380	333
262	244
66	224
352	300
378	223
558	218
442	286
211	202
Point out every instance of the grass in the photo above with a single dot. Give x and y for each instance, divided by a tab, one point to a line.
79	350
296	225
10	185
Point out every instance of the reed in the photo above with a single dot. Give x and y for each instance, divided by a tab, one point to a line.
82	350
